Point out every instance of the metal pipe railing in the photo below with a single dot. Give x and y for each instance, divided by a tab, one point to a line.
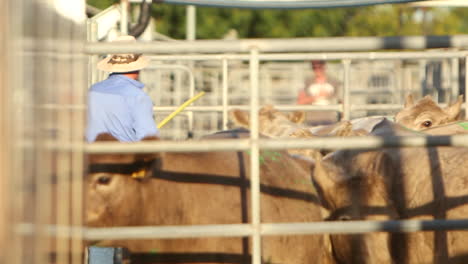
254	143
302	228
243	230
364	142
283	45
226	107
225	93
402	55
346	91
254	157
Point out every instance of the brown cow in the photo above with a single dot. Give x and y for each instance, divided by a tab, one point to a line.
201	189
426	113
407	183
354	188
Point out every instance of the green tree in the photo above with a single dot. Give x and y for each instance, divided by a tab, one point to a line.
380	20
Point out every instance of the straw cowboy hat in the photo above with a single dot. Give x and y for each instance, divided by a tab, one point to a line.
123	62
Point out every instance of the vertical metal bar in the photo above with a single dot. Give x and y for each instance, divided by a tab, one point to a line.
225	93
78	117
6	154
191	94
346	90
466	87
13	203
254	157
399	81
454	80
124	17
43	120
422	77
178	93
62	199
191	22
190	32
93	59
214	96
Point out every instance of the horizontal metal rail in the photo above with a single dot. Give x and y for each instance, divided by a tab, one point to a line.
364	142
284	4
294	107
229	107
242	230
246	107
402	55
282	45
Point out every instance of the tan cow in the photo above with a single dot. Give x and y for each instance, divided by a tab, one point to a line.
426	113
460	127
354	188
201	189
275	124
407	183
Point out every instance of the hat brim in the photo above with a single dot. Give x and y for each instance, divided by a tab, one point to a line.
139	64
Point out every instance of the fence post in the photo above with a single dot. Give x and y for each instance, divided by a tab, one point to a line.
346	90
225	93
466	87
254	156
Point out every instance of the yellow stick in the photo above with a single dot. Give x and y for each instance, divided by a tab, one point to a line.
182	107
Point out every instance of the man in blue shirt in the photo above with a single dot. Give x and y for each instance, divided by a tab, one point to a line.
118	105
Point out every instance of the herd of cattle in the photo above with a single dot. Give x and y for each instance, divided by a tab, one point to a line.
296	186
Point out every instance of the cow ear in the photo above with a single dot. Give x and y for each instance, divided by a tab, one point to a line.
297	117
453	110
409	101
239	118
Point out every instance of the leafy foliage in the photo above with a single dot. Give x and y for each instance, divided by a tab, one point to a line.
383	20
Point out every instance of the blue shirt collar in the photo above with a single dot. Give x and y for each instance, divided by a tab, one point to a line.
130	80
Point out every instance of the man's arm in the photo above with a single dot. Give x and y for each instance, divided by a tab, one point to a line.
144	124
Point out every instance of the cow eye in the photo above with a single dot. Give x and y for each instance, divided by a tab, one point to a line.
104	179
427	123
344	218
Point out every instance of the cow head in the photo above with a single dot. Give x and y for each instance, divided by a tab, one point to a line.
426	113
273	123
114	185
267	114
354	186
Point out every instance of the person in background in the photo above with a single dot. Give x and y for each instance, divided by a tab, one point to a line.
118	105
319	89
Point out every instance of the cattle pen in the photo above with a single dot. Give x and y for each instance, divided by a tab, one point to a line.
43	119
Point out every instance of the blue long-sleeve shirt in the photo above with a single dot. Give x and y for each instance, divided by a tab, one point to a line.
119	106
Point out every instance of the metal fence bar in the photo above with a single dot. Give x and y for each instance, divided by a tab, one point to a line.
284	45
237	230
254	157
454	77
347	90
92	36
402	55
243	230
466	87
225	93
246	107
363	142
